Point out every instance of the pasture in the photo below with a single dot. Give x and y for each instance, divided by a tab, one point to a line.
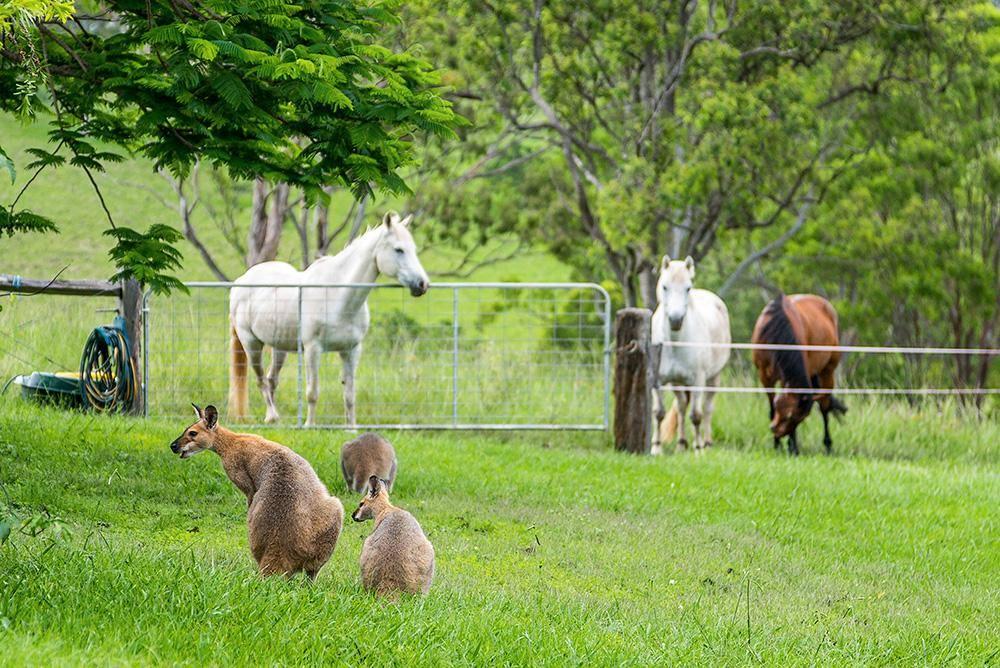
552	549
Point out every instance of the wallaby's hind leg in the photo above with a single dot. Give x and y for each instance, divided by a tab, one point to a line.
271	384
273	562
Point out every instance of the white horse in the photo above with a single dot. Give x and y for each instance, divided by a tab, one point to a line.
332	318
687	315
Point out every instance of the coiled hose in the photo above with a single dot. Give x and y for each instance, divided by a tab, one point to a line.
107	376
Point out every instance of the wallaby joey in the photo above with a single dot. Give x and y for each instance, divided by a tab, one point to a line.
396	557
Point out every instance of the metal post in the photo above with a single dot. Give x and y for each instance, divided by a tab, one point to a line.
607	360
454	356
301	361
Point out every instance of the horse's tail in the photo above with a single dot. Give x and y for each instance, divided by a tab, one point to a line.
668	426
239	393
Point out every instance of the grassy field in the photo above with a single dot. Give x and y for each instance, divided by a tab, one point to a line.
551	550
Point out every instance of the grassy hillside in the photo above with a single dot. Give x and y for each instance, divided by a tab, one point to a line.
551	550
131	190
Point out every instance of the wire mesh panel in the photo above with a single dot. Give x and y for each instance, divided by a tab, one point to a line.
465	355
46	332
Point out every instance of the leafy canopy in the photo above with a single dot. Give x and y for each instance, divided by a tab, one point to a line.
299	92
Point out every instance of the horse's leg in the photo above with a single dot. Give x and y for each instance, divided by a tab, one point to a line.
349	367
658	415
682	404
698	414
826	404
271	384
312	350
793	443
255	356
708	410
768	384
827	442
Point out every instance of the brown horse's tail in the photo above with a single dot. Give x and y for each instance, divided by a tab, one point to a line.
239	393
668	426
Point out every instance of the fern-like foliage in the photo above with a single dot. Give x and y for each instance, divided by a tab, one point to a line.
24	221
293	91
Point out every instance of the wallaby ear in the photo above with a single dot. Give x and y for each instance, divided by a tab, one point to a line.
406	221
689	263
211	417
197	411
389	217
665	262
373	486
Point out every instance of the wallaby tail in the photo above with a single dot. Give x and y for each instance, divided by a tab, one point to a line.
239	393
668	427
837	407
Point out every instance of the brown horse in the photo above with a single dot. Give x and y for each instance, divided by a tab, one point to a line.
798	320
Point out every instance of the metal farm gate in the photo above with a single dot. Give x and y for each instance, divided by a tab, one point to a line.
463	356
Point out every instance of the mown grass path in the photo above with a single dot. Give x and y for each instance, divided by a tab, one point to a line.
551	550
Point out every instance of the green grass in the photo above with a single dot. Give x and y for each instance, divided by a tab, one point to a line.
551	550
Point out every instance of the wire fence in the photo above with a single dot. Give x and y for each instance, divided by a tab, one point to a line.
463	356
741	367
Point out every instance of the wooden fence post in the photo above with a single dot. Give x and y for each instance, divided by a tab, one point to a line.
633	381
131	309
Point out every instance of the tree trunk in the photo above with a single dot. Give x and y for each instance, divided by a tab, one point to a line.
633	381
647	287
265	224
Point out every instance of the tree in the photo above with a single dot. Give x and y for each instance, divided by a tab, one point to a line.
910	247
297	93
616	133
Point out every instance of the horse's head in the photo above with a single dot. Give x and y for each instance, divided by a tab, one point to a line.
673	288
789	410
396	255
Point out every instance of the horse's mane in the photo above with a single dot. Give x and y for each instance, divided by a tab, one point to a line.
349	245
777	329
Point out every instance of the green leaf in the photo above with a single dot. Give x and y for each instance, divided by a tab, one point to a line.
8	164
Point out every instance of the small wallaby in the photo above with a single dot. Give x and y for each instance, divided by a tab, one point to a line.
396	557
366	456
292	521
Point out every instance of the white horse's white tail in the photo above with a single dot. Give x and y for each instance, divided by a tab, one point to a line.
239	393
668	425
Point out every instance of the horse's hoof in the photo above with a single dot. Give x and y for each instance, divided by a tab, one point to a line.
270	419
657	450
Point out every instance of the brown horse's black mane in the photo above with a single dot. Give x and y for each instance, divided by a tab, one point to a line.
791	364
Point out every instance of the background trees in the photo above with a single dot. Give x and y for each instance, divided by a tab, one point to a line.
628	132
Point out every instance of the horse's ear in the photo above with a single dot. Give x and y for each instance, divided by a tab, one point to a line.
389	217
665	262
406	221
689	263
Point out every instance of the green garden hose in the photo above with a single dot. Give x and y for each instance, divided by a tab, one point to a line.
108	380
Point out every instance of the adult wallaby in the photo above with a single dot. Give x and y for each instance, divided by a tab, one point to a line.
366	456
396	557
293	521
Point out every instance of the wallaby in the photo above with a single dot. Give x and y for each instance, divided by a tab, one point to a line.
293	522
366	456
396	557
